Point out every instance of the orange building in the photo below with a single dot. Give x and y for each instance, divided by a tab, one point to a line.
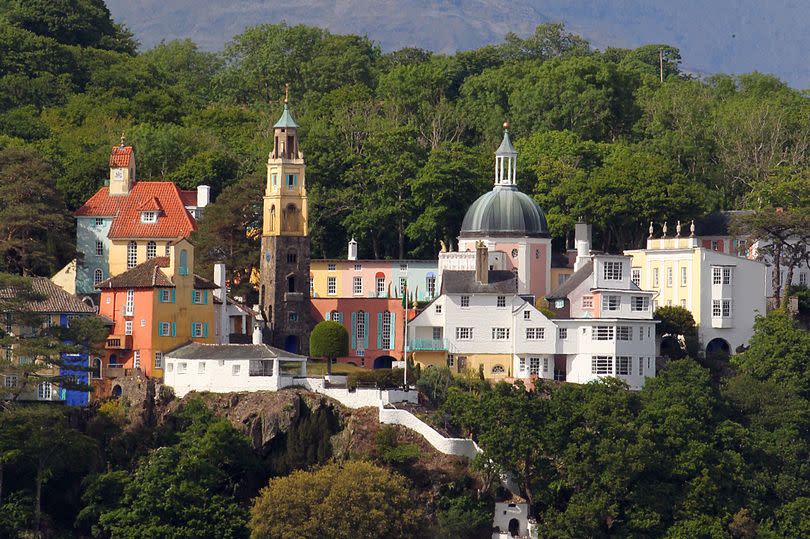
156	306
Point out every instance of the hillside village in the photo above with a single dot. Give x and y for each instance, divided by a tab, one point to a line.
468	314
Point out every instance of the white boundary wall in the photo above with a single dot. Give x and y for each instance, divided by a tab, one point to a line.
449	446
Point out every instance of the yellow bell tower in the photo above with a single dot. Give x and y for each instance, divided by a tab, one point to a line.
285	196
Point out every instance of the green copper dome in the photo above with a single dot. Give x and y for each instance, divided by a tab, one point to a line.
504	211
286	119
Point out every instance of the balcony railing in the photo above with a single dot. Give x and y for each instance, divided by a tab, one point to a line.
427	344
119	342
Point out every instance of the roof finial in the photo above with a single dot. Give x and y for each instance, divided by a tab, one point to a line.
506	125
664	230
123	139
651	229
692	229
286	92
678	229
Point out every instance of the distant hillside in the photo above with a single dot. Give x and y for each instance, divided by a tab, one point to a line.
731	36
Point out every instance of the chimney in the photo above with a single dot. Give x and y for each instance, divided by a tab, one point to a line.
219	280
582	242
203	195
352	250
221	310
257	335
481	263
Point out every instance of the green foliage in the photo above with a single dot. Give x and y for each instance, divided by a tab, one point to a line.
434	383
675	323
463	517
381	378
307	443
391	452
329	339
355	499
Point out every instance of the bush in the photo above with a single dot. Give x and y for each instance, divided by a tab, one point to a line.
391	452
382	378
329	339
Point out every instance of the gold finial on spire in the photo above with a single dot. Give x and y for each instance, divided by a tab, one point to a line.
506	124
123	139
286	92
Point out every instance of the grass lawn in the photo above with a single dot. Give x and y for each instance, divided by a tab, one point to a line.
318	368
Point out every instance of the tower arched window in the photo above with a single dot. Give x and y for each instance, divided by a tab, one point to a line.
151	250
183	262
291	283
272	216
98	276
132	255
292	256
95	364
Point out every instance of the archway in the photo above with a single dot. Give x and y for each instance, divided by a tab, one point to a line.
718	346
117	391
95	364
383	362
514	527
113	360
291	344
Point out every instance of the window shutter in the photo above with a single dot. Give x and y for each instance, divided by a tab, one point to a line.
205	330
173	295
192	330
192	295
379	330
205	297
160	329
365	340
329	315
174	329
393	331
339	317
354	331
160	295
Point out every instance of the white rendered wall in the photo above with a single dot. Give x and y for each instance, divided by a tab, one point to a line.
449	446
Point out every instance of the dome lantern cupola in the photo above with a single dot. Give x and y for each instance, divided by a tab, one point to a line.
505	160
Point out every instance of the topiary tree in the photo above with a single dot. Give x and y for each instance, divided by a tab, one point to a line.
329	340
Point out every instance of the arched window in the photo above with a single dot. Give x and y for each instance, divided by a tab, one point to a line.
292	218
272	215
98	276
183	262
44	391
336	316
95	364
151	250
291	283
168	250
132	255
292	256
498	369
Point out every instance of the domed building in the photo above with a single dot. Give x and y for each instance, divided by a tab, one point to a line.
512	227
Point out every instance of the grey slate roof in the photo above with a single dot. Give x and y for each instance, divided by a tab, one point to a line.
57	300
463	282
506	147
286	119
573	281
230	351
504	211
144	275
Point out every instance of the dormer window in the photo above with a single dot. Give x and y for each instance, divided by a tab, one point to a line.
149	217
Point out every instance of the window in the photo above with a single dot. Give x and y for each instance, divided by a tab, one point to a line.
721	307
128	327
635	276
358	267
132	255
11	380
683	303
151	250
742	248
562	333
331	267
99	221
465	301
331	286
148	217
236	369
403	267
403	283
201	367
292	179
639	303
726	308
336	316
501	301
8	323
715	245
721	275
164	329
561	278
183	262
360	328
129	306
464	334
534	366
196	296
623	365
358	286
380	286
438	308
136	359
613	270
98	276
165	296
601	365
143	322
158	360
500	334
386	331
535	334
99	248
275	180
603	333
437	333
292	257
610	303
640	333
684	276
498	369
587	302
196	329
726	275
44	391
624	333
669	276
545	364
527	315
522	365
431	285
655	277
803	278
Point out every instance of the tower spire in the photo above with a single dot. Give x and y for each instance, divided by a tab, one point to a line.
286	92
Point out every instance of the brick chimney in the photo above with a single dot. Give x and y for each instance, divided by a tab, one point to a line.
481	263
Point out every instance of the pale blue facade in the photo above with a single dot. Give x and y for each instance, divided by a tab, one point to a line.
92	252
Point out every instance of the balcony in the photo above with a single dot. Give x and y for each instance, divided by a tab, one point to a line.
119	342
427	345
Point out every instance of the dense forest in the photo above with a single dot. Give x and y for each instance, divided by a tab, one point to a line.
397	144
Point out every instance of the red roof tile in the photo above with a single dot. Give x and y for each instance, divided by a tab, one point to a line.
153	204
174	222
144	275
120	156
189	198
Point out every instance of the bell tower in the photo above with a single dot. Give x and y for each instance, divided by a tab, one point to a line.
284	289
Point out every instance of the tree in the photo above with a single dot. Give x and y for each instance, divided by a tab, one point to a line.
550	40
330	340
33	219
677	322
341	501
